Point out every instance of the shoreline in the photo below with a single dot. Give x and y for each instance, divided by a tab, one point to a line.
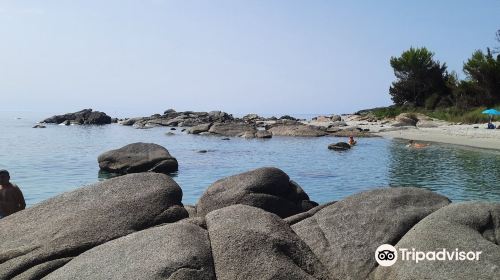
460	135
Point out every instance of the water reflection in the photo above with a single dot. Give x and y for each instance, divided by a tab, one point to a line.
457	172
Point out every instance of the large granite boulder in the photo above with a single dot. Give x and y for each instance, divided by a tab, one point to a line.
468	227
300	130
346	234
249	243
44	237
340	146
232	129
267	188
173	251
86	116
138	157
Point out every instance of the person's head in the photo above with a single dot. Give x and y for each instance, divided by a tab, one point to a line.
410	142
4	176
351	138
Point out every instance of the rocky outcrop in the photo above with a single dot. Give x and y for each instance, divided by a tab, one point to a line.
197	129
468	227
263	134
86	116
249	243
172	251
297	130
267	188
340	146
346	234
138	157
183	119
42	238
232	129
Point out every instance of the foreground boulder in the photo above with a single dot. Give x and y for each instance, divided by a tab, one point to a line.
138	157
301	130
249	243
346	234
468	227
86	116
44	237
172	251
267	188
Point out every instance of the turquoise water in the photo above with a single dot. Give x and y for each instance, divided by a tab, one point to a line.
47	162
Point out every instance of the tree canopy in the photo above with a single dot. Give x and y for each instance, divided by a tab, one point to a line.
419	77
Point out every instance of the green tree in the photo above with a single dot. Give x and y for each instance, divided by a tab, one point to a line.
483	77
419	77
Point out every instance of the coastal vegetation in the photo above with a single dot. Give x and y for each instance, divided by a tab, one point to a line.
424	85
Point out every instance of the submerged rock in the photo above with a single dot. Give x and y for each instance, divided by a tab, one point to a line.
267	188
340	146
45	236
86	116
138	157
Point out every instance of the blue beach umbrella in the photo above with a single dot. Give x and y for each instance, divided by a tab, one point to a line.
491	112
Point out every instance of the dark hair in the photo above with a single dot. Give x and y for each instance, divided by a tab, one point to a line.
3	171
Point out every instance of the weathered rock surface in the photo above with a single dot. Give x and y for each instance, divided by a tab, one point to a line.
467	227
249	243
37	240
346	234
263	134
232	129
297	130
138	157
86	116
267	188
172	251
340	146
406	119
197	129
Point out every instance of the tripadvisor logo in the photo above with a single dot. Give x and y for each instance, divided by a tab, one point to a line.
387	255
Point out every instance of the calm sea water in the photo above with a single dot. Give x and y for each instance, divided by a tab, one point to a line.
47	162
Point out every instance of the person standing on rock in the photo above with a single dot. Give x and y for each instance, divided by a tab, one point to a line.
11	197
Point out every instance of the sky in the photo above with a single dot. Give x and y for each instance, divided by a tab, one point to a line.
140	57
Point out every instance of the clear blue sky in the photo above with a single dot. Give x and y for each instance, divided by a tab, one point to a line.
138	57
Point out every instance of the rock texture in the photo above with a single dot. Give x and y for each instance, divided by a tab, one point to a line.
41	238
297	130
267	188
346	234
467	227
249	243
86	116
138	157
174	251
232	129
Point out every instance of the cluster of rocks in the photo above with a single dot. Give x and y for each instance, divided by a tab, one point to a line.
86	116
255	225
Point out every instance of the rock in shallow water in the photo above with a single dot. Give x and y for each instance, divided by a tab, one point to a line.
86	116
138	157
267	188
300	130
340	146
346	234
71	223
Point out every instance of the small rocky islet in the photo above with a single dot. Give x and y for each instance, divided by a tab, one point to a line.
258	224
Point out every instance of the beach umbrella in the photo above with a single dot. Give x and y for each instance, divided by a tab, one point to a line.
491	112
